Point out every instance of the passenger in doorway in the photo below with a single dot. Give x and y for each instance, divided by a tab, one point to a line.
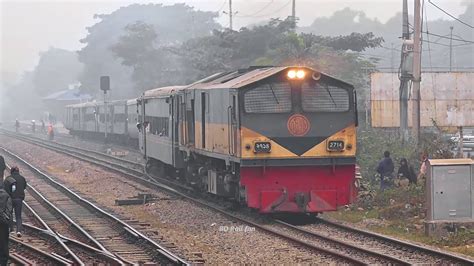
2	167
406	170
15	185
5	221
385	169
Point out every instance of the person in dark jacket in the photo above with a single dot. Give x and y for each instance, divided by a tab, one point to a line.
2	167
15	185
385	169
5	206
407	171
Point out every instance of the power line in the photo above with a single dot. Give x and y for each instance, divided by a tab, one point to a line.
222	6
455	18
444	37
429	47
272	13
260	10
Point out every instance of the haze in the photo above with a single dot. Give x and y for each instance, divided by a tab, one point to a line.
29	27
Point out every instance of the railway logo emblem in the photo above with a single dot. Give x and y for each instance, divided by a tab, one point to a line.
298	125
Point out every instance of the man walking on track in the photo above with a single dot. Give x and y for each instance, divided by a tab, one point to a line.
15	185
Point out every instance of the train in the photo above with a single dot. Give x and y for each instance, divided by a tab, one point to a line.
275	139
89	120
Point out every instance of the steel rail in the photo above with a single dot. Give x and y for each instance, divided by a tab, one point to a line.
402	243
56	238
127	228
154	182
56	259
343	244
69	241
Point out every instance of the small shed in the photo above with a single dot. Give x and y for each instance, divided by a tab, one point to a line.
56	102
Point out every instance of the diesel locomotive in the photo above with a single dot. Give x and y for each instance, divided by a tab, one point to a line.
276	139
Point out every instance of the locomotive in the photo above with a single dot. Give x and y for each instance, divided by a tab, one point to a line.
276	139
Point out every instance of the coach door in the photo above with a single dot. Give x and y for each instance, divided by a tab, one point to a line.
232	114
190	118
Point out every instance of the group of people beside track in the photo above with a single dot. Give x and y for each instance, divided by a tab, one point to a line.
406	172
49	131
12	195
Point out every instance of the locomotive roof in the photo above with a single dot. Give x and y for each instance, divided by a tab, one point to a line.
164	91
238	79
132	101
94	103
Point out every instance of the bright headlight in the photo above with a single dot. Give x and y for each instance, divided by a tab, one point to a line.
300	74
291	74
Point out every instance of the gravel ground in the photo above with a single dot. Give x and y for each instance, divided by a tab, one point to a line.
191	228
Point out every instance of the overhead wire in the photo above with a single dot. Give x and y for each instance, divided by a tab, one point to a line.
447	13
269	14
429	47
445	37
258	11
222	6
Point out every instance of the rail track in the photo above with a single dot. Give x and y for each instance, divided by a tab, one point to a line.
342	248
112	240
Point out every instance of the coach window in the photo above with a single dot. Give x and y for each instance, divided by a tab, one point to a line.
158	125
322	97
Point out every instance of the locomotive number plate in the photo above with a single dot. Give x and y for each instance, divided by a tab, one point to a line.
336	145
262	147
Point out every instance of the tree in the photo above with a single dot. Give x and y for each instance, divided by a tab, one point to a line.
173	24
56	69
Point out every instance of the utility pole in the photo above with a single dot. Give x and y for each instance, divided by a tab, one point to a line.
230	15
293	14
451	49
406	73
416	73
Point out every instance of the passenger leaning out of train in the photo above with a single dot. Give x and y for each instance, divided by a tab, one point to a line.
385	169
15	185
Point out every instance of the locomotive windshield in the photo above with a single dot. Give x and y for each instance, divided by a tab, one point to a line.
321	97
278	97
269	98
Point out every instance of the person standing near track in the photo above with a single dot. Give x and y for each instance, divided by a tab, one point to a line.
15	185
385	169
6	210
2	166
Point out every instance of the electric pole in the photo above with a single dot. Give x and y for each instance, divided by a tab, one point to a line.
230	15
293	14
405	73
451	49
416	73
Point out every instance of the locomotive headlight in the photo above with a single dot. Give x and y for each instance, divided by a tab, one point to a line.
300	74
291	74
296	74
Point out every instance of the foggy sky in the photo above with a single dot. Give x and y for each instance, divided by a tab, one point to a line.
29	27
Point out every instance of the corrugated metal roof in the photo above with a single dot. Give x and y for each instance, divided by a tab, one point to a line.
68	95
451	161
